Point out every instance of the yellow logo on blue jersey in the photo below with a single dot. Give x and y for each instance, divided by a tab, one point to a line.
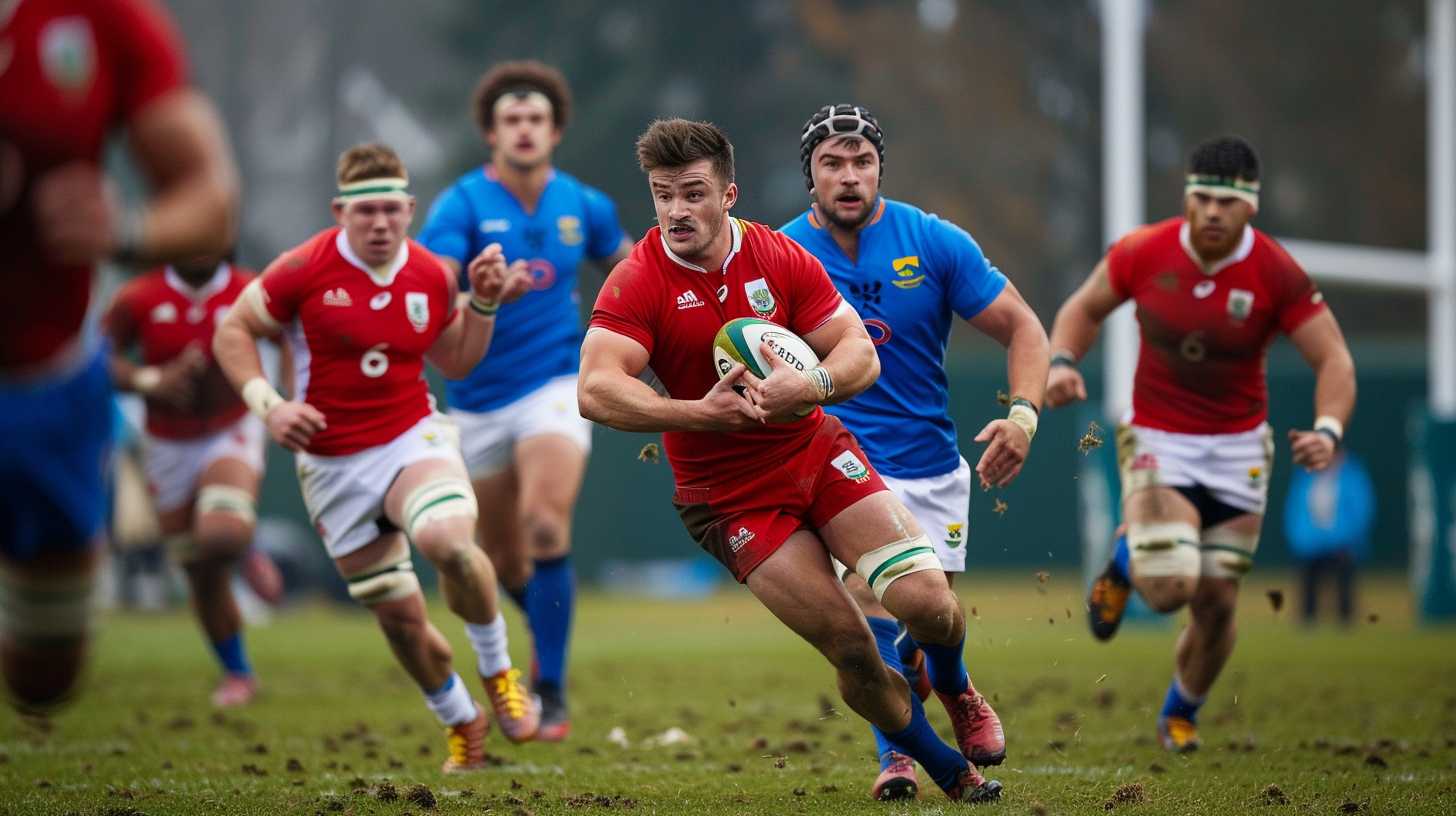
907	272
568	228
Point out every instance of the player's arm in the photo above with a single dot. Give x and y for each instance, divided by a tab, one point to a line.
235	346
462	344
1074	331
1322	344
1010	321
173	382
609	392
848	364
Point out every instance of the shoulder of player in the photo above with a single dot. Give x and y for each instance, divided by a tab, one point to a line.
1265	247
318	249
799	228
420	257
148	286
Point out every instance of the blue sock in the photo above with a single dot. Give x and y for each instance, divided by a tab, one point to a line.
920	742
1119	560
885	630
905	645
947	669
1179	704
550	599
231	655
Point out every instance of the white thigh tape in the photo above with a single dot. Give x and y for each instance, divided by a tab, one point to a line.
1164	549
1227	553
886	565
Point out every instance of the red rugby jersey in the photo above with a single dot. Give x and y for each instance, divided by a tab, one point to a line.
359	341
162	315
71	72
1205	334
674	309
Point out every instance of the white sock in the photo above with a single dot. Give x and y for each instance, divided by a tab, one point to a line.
452	704
489	642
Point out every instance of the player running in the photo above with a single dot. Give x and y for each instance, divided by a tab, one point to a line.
203	451
72	75
770	495
362	307
1195	454
907	272
524	442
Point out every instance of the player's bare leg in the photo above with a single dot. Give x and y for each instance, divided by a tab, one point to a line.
798	585
500	534
550	469
886	545
45	620
432	502
215	530
1165	586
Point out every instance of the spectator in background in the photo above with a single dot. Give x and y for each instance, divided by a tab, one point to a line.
1327	519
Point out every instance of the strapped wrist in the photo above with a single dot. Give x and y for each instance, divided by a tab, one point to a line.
145	379
822	381
1023	415
1331	427
483	307
260	396
1063	358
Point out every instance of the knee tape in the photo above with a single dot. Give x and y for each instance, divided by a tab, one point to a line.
40	609
443	498
234	501
1228	553
388	579
886	565
1164	549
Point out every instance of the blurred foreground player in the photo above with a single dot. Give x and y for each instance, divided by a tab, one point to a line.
524	442
203	450
73	74
1195	454
362	308
769	494
908	272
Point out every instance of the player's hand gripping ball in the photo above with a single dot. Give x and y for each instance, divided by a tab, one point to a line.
741	340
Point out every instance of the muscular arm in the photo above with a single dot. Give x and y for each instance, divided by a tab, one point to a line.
846	351
1077	322
1322	344
461	346
609	392
1011	322
235	342
180	145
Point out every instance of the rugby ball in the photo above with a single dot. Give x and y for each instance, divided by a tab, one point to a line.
741	340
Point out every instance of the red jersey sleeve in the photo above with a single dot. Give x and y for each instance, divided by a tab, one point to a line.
624	304
120	322
1120	263
812	293
284	284
1296	295
152	62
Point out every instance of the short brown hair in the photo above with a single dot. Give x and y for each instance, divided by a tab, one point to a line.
519	77
679	142
370	161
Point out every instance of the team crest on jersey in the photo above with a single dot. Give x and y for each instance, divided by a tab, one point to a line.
851	467
568	230
68	54
164	313
759	297
955	535
907	272
417	308
1240	303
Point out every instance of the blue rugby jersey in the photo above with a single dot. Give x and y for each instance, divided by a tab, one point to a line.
538	337
914	269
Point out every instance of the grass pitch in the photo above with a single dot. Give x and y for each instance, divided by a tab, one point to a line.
1309	723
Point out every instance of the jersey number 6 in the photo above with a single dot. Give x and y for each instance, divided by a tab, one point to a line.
1191	348
375	362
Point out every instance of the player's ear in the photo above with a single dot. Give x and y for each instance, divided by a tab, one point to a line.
730	195
338	207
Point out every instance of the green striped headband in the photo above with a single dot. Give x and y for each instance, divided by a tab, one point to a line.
374	188
1223	187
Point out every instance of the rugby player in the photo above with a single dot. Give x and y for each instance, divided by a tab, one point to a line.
362	308
769	494
524	442
1196	452
71	76
908	272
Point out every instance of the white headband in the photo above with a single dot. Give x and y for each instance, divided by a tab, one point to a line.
390	188
532	97
1223	187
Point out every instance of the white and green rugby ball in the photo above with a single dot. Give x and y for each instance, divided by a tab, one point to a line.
741	340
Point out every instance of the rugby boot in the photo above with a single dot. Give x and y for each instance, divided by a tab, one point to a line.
917	676
555	721
1106	603
466	744
973	788
897	781
1178	734
977	728
235	690
517	711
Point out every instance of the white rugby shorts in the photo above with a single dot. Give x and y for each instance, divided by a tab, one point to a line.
1234	468
345	494
174	466
488	440
942	505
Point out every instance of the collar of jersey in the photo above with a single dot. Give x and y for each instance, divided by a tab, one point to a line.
384	278
1246	246
201	294
737	245
818	223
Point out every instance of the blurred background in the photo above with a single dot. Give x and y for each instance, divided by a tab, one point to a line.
993	118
